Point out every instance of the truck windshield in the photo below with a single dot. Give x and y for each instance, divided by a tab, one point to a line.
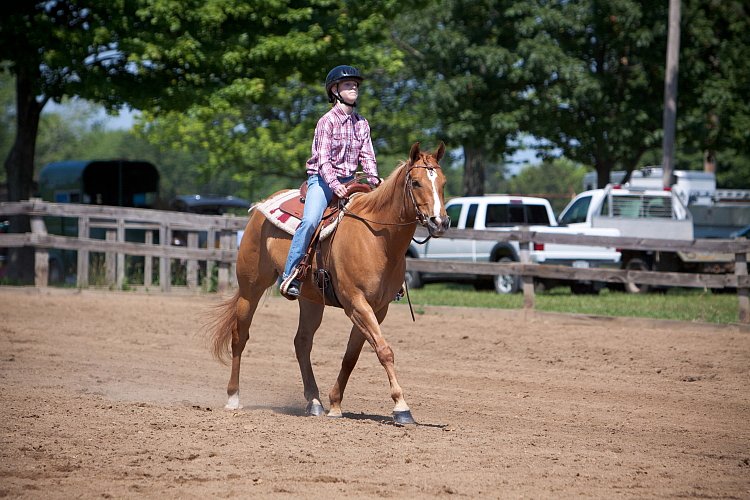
499	215
577	212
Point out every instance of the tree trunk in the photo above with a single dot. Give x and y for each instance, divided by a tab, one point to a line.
19	167
602	174
473	171
709	161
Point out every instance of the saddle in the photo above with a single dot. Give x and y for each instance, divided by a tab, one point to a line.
295	207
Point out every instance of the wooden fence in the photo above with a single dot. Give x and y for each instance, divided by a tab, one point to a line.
738	280
157	229
220	236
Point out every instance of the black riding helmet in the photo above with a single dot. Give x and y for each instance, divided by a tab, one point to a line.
338	74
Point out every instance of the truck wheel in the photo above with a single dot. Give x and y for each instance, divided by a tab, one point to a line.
506	283
413	280
637	264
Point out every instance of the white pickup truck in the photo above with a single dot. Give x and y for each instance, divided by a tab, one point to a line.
642	212
505	213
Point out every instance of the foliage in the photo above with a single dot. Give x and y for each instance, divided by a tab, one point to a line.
601	101
263	140
470	68
557	180
714	96
161	55
231	90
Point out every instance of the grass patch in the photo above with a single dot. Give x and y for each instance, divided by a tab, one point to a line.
677	303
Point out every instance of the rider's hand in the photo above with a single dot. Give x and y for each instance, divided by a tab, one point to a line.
340	191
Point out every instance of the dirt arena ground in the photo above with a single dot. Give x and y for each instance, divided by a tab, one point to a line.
115	395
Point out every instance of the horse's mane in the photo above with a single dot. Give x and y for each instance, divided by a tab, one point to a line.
382	198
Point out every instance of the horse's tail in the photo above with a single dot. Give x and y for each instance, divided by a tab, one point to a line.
222	327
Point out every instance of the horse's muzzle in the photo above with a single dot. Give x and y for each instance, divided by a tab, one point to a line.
437	226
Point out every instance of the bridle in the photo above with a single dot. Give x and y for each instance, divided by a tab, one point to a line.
408	186
421	218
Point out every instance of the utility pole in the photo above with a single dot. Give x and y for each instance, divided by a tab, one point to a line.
670	91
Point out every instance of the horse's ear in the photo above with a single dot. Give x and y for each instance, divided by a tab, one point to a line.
440	151
414	153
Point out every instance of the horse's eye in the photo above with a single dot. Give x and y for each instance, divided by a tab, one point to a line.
415	184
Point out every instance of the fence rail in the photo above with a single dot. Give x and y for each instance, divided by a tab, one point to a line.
221	250
157	228
736	250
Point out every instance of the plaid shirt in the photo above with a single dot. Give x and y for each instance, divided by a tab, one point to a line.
340	144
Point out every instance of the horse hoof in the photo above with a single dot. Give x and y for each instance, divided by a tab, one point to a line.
233	403
403	418
315	409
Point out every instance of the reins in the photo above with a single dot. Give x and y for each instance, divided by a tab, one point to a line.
421	218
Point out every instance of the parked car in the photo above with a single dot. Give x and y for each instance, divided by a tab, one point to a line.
207	205
505	213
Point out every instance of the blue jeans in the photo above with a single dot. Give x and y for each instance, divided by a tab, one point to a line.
316	201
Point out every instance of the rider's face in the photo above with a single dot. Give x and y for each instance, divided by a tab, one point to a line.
349	90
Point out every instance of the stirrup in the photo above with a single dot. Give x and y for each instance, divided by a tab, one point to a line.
284	287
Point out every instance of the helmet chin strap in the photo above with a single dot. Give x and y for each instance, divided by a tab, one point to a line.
341	99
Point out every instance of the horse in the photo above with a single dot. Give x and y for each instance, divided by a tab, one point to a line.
366	260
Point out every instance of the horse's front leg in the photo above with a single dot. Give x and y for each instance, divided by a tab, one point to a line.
353	349
310	317
368	323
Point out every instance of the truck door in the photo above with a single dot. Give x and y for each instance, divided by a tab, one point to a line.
462	216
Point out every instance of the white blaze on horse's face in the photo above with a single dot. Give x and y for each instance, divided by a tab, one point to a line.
436	205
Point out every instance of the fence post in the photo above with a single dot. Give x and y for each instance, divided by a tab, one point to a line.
233	267
210	243
41	255
192	265
225	240
120	256
82	265
148	262
110	260
165	267
743	293
528	281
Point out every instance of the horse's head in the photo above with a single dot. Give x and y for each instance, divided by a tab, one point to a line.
425	182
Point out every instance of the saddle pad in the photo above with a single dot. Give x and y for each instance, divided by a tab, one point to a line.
271	209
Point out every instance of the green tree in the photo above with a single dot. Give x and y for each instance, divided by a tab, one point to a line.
557	180
713	106
472	70
602	99
263	142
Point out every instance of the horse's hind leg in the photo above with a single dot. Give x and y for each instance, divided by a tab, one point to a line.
310	317
245	309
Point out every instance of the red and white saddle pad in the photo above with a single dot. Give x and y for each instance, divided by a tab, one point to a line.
271	209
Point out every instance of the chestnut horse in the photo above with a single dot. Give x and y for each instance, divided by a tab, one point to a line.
366	261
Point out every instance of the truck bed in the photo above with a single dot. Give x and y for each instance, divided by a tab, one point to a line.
637	227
